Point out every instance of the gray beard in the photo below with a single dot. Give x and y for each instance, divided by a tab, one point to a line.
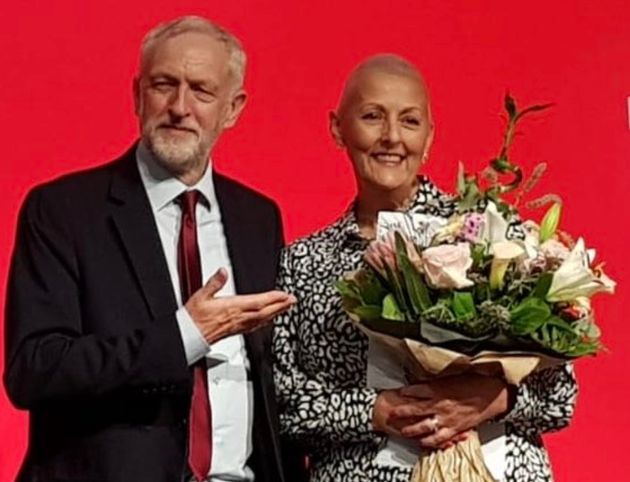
177	157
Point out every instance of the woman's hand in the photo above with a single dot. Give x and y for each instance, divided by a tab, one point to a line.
439	411
387	402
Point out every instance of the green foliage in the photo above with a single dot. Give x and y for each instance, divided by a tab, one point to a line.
528	316
368	312
415	286
543	285
391	310
371	289
464	306
397	288
559	336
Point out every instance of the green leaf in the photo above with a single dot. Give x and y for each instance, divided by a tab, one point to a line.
550	222
464	305
533	108
391	310
479	256
543	285
396	288
348	289
501	165
368	312
416	288
529	315
371	289
461	179
471	197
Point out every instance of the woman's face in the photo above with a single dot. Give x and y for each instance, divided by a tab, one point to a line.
385	126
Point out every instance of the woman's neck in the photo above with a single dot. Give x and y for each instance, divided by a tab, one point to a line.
371	200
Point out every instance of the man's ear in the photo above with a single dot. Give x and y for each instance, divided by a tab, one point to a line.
136	96
237	104
335	128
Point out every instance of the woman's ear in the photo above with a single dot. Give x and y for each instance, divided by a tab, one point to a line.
427	146
335	129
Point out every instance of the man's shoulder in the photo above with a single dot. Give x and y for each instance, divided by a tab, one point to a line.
231	189
85	182
80	194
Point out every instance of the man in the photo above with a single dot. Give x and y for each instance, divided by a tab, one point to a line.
131	370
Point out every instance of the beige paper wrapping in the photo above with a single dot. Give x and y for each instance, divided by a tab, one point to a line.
464	461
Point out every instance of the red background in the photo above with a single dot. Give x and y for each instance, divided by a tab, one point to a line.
66	68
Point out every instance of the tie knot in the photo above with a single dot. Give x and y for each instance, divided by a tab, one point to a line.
188	202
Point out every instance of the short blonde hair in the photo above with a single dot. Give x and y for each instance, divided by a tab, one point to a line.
191	23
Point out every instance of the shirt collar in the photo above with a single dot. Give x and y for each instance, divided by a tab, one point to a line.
162	188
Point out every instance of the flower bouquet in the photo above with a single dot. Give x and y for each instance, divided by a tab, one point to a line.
482	291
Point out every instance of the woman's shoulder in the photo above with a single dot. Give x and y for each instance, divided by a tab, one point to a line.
327	235
320	243
430	199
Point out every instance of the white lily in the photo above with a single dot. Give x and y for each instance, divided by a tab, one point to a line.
495	227
504	253
575	278
531	242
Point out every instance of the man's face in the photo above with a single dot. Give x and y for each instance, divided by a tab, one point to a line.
185	96
386	128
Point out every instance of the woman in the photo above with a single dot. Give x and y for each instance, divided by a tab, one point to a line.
384	124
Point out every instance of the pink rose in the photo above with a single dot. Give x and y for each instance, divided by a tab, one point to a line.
446	265
555	250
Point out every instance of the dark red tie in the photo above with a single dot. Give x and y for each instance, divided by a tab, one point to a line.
189	264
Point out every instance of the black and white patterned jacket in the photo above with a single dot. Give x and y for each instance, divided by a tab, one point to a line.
321	361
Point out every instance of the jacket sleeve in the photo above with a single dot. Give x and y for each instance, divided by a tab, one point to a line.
545	401
50	355
310	411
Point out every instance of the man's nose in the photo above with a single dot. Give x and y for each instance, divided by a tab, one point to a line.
179	107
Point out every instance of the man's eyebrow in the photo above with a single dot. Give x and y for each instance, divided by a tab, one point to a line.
161	75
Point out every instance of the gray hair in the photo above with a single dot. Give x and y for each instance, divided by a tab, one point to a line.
164	31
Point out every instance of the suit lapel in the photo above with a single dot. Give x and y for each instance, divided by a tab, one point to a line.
238	226
240	231
132	216
236	229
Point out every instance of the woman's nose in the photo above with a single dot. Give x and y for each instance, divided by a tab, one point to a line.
391	132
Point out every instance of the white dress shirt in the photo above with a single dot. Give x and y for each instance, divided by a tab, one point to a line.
230	390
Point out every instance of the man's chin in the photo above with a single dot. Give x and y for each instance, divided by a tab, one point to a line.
175	155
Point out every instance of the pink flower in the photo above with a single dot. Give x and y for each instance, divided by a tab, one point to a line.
446	265
555	250
472	230
383	252
379	254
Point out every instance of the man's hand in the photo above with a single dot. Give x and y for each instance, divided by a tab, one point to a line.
218	318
